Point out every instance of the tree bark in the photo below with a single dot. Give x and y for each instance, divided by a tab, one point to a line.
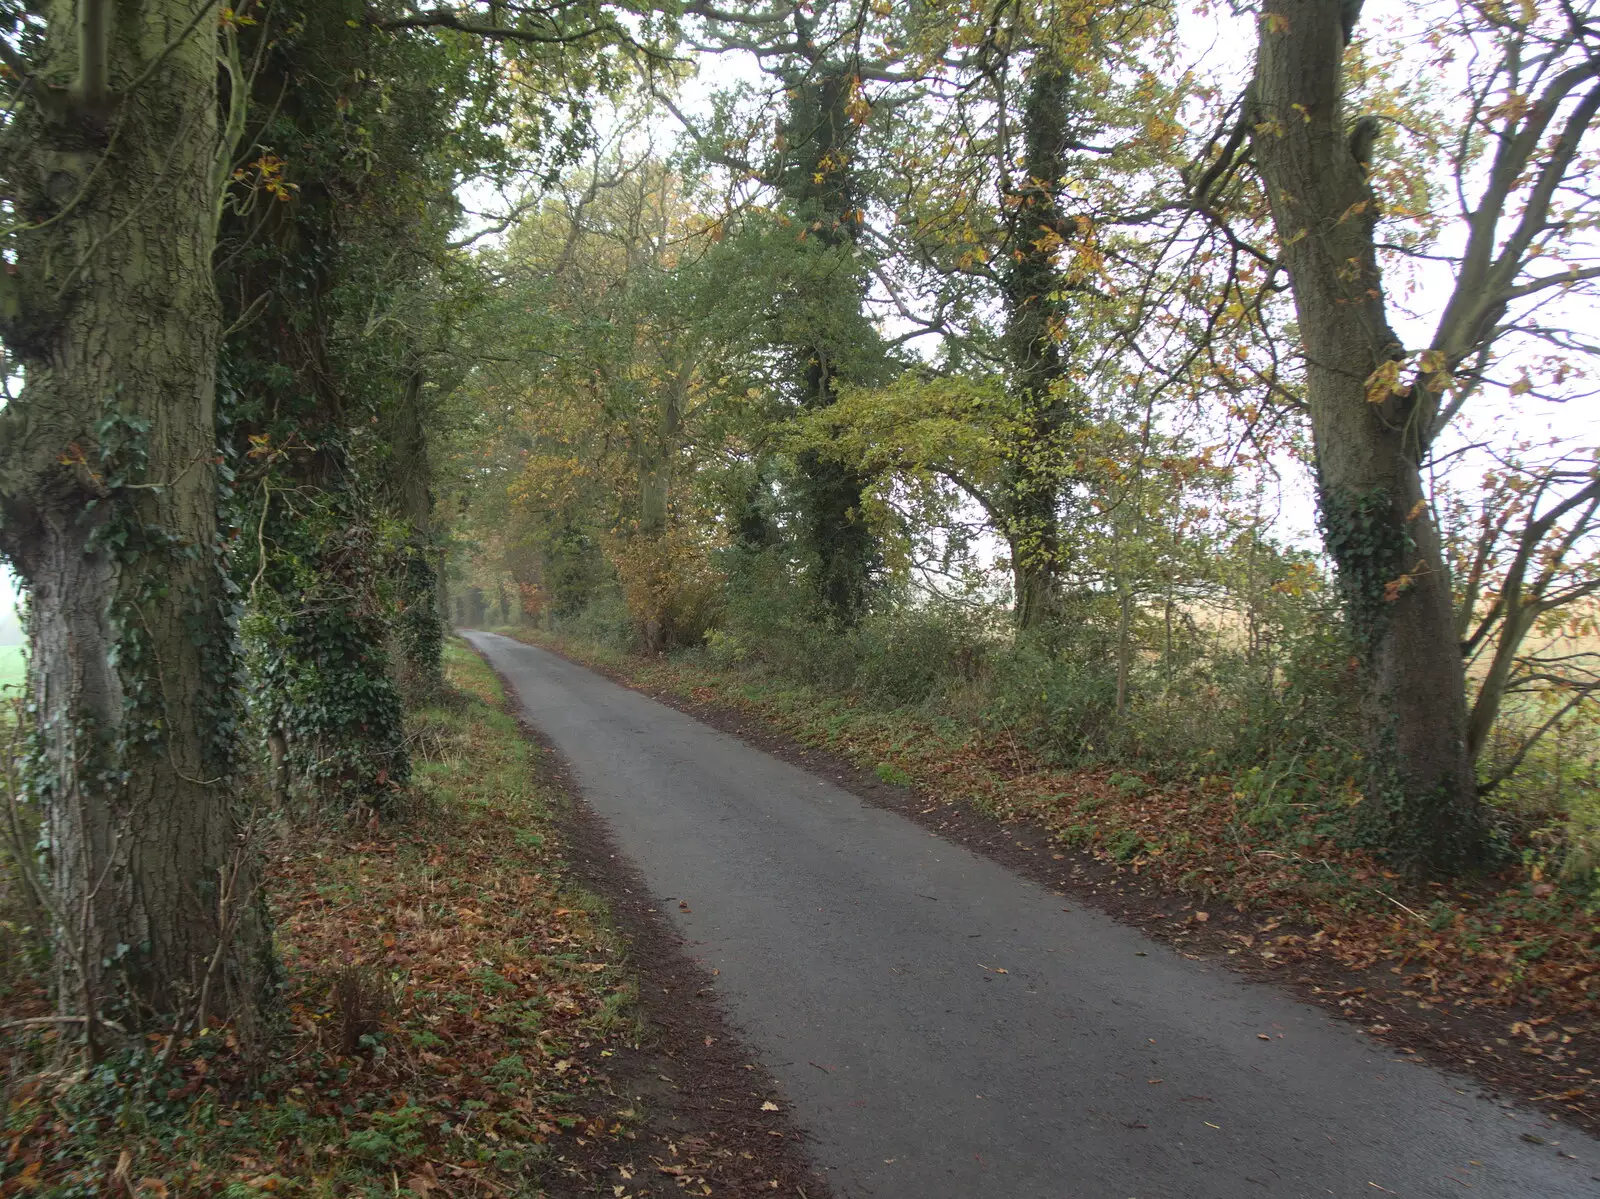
419	629
822	187
327	675
1033	286
1375	516
108	510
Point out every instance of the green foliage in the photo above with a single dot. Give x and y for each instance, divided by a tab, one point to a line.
1275	703
419	628
323	679
1060	704
896	657
604	619
1550	803
392	1136
1367	539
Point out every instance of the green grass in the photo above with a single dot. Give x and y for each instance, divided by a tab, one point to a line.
13	666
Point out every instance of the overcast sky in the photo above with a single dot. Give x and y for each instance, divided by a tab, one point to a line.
10	632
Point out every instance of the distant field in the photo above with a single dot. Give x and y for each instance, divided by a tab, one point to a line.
11	666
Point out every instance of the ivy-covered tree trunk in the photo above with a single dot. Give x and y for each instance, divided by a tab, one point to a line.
419	628
322	632
821	187
657	457
1375	515
1033	287
109	511
324	616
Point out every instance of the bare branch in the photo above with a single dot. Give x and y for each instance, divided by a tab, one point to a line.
1571	276
511	217
1531	740
1518	614
497	33
1486	280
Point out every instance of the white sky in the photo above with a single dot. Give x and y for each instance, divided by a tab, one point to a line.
10	632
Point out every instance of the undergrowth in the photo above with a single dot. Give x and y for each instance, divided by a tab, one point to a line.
448	1008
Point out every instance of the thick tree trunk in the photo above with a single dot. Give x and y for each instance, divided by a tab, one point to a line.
656	460
1375	516
1033	287
660	452
108	509
328	678
1034	583
1124	646
821	187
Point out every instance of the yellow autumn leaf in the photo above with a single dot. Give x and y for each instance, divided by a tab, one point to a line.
1384	382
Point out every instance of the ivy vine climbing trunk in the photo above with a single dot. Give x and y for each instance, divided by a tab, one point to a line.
308	395
821	186
419	628
109	511
1033	287
1369	447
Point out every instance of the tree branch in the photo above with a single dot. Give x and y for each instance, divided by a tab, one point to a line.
90	88
1519	615
1480	295
498	33
1533	739
512	216
1572	276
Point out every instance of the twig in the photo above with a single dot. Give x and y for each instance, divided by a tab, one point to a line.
1400	905
36	1021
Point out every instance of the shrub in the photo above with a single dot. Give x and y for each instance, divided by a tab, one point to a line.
604	619
908	653
671	585
1055	699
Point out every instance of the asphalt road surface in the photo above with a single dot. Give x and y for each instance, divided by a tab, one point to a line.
944	1030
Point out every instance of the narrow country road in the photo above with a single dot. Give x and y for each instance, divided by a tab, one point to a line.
944	1030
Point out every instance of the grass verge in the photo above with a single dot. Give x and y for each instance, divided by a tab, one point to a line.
1519	951
13	667
452	1010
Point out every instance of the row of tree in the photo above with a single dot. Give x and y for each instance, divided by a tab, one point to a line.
1024	273
229	290
931	277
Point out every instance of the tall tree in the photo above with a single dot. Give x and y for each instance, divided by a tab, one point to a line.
1033	287
1009	171
315	247
114	164
813	54
821	187
1376	408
